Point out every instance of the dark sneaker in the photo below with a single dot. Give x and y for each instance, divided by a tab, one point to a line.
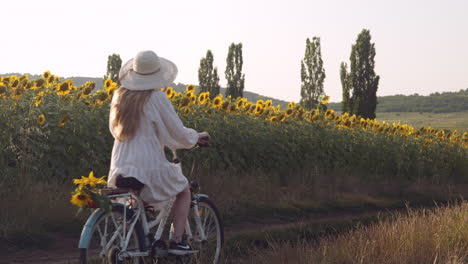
181	248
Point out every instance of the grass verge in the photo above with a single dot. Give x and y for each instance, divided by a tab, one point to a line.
418	236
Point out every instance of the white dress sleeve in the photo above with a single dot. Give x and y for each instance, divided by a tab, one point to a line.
169	128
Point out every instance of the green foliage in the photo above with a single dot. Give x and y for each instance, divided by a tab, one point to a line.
345	87
114	62
50	151
312	74
247	143
208	78
361	83
234	76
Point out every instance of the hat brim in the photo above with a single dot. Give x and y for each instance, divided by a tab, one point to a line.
135	81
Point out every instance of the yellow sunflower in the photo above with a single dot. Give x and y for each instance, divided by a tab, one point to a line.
217	102
89	181
193	99
289	112
240	104
80	199
273	119
14	83
42	119
63	88
169	92
291	105
186	111
107	84
46	75
330	113
51	79
190	88
172	95
101	96
86	91
40	83
201	98
325	100
258	109
260	102
38	98
282	117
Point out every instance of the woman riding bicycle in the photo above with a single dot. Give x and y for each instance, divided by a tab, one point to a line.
144	122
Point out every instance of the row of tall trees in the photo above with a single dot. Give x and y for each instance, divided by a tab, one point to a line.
208	78
359	84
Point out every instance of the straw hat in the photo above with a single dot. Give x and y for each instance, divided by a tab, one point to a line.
147	71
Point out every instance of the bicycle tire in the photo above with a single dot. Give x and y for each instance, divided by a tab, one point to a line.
138	238
206	253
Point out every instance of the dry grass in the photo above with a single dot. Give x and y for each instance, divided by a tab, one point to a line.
425	236
31	210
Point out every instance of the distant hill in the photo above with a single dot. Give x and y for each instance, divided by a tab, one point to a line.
446	102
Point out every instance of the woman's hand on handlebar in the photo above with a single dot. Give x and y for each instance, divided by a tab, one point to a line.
203	139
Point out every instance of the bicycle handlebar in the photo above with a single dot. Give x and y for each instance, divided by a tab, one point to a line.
202	142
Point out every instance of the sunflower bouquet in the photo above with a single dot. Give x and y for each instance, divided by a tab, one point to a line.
87	194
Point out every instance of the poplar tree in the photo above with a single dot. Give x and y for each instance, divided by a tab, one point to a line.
345	104
234	76
362	79
312	74
114	63
208	79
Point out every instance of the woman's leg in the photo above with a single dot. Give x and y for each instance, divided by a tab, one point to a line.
180	210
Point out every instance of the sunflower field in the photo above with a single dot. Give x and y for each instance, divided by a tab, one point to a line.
52	129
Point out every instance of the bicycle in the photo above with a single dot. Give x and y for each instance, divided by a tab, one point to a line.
124	235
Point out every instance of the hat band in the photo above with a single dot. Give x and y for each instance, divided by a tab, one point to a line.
131	70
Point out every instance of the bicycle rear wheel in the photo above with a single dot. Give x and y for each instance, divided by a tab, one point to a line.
105	228
209	250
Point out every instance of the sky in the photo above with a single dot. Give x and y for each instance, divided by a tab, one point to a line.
421	46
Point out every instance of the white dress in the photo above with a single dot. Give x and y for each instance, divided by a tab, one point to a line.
143	157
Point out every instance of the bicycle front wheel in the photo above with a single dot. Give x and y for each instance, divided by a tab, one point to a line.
106	238
209	249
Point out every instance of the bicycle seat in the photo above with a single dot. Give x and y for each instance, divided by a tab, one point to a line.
115	191
128	183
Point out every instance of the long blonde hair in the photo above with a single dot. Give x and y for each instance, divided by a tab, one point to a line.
128	111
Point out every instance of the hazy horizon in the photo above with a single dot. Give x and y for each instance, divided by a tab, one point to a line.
421	46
